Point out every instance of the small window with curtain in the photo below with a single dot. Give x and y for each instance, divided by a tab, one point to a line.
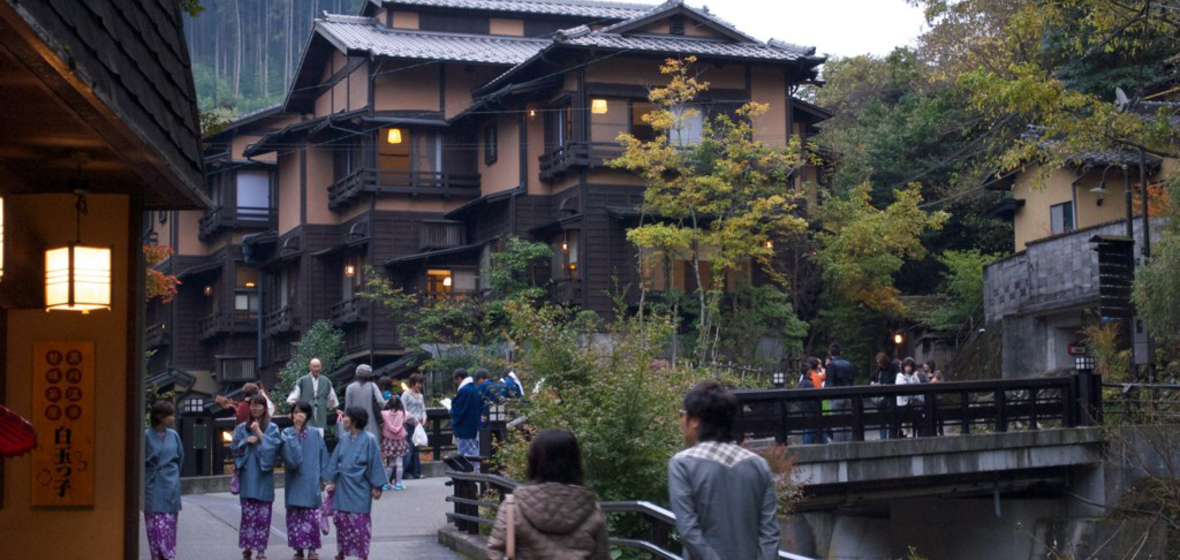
491	139
1061	218
690	125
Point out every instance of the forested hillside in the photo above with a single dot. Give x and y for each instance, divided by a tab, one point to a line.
245	51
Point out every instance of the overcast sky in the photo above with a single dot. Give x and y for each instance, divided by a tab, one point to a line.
835	27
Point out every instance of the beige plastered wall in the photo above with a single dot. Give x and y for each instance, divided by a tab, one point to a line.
319	177
504	174
1032	221
404	20
461	80
504	26
73	533
289	197
646	72
358	87
406	87
766	85
536	147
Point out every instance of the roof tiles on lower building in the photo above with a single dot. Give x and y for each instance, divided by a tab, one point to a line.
364	34
576	8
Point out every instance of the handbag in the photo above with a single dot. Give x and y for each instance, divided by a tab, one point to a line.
235	485
419	438
510	517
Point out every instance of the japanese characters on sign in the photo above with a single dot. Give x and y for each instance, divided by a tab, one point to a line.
63	415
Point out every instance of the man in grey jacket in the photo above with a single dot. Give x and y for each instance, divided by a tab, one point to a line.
722	494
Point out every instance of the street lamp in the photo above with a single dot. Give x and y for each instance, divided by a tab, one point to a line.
1083	363
780	379
898	339
78	277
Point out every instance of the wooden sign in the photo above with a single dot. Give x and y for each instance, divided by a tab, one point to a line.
63	415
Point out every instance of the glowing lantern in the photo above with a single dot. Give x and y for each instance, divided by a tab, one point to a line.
395	136
598	106
77	278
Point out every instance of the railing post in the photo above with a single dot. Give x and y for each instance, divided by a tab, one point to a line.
436	428
965	420
1032	408
931	416
783	409
1001	400
858	418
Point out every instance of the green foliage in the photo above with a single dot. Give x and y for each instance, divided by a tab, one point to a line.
603	389
324	341
963	290
757	313
715	203
1157	291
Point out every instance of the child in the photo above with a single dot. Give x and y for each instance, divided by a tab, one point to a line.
394	446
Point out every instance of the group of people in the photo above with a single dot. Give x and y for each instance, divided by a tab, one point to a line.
835	371
723	495
374	450
471	407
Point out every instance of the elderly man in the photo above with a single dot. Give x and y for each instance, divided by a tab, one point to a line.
315	390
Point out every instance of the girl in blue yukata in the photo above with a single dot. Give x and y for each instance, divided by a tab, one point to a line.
255	449
306	459
163	455
356	476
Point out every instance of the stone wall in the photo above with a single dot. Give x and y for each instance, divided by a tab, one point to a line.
1052	273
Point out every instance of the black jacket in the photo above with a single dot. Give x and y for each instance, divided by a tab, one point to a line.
839	373
883	377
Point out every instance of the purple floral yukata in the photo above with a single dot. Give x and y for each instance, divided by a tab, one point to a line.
303	528
161	535
254	530
353	533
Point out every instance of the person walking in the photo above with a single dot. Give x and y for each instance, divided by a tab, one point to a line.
364	394
394	446
163	456
910	405
306	458
553	515
465	416
255	449
883	375
809	378
839	374
722	494
315	389
415	405
355	478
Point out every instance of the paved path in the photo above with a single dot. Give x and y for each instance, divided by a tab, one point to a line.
405	525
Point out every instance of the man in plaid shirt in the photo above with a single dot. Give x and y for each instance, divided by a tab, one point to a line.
722	494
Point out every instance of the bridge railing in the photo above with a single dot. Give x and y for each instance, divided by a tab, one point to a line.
477	498
1136	403
928	409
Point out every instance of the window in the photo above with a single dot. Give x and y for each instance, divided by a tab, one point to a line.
1061	218
352	276
676	25
253	192
238	370
439	283
288	288
491	139
346	158
409	151
609	119
246	291
691	120
640	129
561	126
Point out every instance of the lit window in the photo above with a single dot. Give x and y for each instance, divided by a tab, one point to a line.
439	281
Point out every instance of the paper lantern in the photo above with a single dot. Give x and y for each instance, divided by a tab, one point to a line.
395	136
77	278
598	106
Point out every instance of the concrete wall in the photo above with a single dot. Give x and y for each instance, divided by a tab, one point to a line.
27	532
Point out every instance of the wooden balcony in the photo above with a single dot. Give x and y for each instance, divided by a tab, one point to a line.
440	235
355	310
225	218
156	336
579	154
347	190
284	320
223	323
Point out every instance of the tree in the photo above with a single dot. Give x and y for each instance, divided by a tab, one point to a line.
323	341
158	284
860	250
718	202
1157	291
962	290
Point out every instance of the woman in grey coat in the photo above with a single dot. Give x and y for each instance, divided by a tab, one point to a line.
363	393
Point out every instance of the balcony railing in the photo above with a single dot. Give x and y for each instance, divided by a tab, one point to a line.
156	336
440	235
230	218
562	159
346	190
221	323
281	321
355	310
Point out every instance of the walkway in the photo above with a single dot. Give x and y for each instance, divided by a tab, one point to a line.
405	525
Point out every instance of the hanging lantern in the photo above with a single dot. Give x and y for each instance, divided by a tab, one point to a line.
395	136
78	277
349	271
598	106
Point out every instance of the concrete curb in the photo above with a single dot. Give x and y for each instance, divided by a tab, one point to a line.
469	546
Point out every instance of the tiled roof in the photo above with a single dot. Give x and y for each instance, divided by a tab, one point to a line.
364	34
582	36
658	12
583	8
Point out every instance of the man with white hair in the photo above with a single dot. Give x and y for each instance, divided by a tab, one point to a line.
315	390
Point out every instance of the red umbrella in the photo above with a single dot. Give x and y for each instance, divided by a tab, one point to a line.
17	436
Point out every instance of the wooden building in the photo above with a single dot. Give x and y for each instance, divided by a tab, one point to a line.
99	97
419	134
